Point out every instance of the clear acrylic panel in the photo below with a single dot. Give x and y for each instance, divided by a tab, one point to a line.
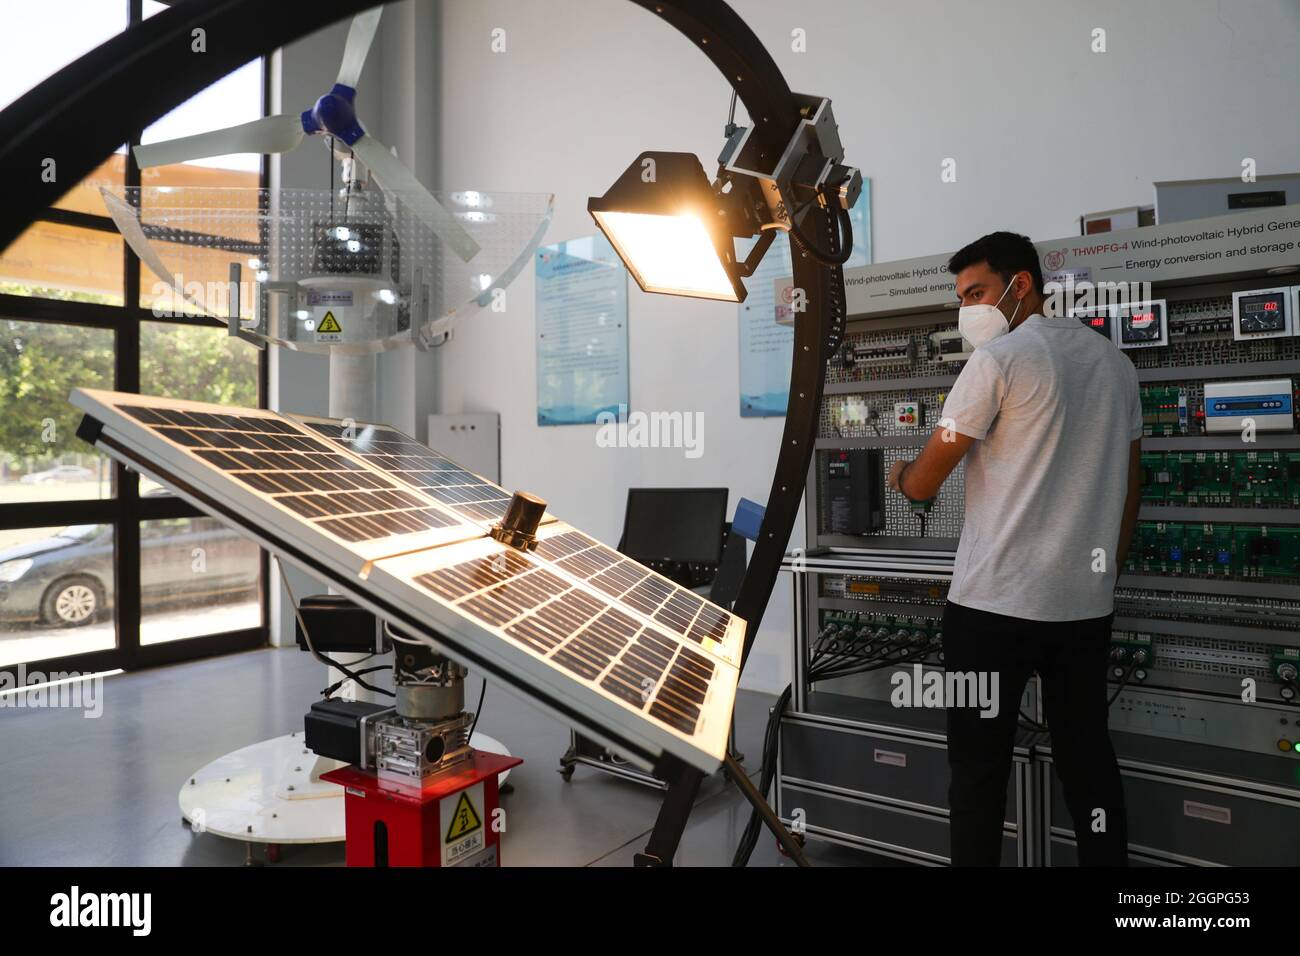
354	270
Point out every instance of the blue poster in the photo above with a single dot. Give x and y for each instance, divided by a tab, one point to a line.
766	348
581	321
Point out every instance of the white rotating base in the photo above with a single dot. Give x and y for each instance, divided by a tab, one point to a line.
270	792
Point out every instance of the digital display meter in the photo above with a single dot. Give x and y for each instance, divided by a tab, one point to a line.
1098	318
1261	314
1141	325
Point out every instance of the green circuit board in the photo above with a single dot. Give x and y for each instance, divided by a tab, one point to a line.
1247	551
1264	552
1157	548
1161	411
1261	478
1207	550
884	625
1242	479
1156	478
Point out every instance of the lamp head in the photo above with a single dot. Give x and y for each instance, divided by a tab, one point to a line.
672	230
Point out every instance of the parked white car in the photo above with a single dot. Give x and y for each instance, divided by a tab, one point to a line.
58	473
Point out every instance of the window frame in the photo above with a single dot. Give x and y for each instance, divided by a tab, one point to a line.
126	510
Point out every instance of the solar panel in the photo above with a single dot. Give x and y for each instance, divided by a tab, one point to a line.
297	471
634	659
419	466
631	659
476	499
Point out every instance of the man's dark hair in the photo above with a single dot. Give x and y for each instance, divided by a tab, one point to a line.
1006	253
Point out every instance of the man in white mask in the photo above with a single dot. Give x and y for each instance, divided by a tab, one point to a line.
1048	417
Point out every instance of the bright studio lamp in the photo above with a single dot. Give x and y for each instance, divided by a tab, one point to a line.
675	231
672	231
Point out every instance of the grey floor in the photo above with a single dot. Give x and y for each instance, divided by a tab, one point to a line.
103	792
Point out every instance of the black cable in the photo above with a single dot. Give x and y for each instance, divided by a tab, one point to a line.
1122	681
839	665
347	193
760	806
306	636
844	246
330	140
1035	725
749	838
479	709
337	684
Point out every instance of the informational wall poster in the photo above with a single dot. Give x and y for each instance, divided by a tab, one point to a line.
581	319
766	347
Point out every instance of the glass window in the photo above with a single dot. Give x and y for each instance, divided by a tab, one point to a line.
57	588
53	261
196	577
47	36
56	592
40	42
41	458
234	99
86	197
199	363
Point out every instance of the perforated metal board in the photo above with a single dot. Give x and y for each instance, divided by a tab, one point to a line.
605	644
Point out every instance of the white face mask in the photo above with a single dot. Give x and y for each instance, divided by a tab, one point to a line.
982	323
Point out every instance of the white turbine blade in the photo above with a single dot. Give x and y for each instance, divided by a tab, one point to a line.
126	218
360	35
271	134
395	178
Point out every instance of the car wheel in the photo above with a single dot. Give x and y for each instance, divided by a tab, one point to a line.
73	602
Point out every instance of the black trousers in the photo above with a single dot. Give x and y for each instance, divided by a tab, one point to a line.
1071	657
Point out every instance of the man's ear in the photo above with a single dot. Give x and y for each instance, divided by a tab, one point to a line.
1016	286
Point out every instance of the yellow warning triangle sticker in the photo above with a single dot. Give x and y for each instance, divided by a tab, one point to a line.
464	819
329	324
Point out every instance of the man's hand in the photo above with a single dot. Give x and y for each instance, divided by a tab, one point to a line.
927	474
895	474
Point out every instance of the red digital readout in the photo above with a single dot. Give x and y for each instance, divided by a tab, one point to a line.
1270	306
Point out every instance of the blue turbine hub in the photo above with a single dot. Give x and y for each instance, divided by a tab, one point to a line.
335	113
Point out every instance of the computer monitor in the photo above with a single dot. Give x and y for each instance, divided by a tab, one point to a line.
683	525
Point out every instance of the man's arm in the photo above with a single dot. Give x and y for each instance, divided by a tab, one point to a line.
921	478
1130	504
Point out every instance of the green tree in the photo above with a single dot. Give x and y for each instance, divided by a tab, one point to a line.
199	363
41	363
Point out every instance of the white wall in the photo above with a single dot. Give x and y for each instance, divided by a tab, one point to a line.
1042	129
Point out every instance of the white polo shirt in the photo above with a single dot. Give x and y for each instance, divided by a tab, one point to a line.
1054	407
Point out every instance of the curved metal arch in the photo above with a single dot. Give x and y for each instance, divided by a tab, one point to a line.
86	110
